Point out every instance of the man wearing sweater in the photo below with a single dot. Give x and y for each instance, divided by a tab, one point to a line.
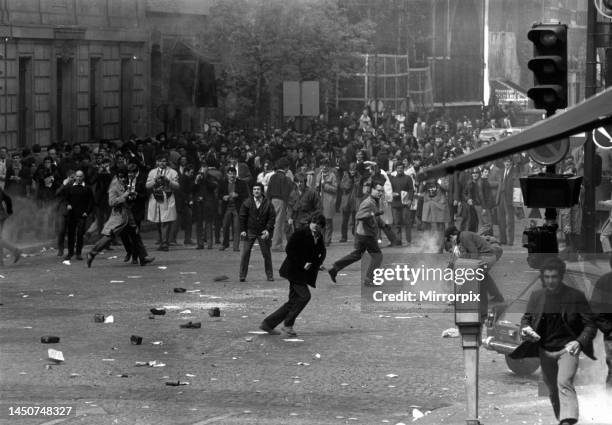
403	191
366	235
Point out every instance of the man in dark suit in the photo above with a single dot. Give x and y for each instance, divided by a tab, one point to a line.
79	205
305	255
503	201
556	327
232	193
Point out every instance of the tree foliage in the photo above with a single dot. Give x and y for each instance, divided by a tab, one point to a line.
261	43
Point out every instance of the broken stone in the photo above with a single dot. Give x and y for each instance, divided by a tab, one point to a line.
450	333
180	290
220	278
214	312
136	340
158	311
55	355
49	339
109	319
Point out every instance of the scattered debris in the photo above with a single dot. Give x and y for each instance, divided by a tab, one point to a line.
66	262
108	360
55	355
49	339
316	355
293	340
303	364
114	257
185	312
180	290
158	311
152	363
99	318
193	291
188	272
391	375
450	333
220	278
136	340
192	325
117	281
214	312
248	339
157	342
417	414
109	319
162	267
177	383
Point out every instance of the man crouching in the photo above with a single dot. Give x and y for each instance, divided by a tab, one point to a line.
305	254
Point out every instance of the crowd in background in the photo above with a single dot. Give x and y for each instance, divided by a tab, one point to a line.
331	161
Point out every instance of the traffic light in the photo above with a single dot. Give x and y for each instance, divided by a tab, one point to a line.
549	66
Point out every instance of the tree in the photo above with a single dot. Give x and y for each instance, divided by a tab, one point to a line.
263	42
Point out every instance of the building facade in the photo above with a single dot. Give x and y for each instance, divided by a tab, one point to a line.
80	70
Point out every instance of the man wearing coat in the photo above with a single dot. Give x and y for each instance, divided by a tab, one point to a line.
403	191
232	193
556	327
601	302
305	255
79	205
163	182
257	218
503	182
326	185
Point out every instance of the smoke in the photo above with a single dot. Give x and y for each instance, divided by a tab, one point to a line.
30	222
594	400
428	243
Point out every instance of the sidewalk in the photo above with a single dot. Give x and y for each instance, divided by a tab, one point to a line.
525	407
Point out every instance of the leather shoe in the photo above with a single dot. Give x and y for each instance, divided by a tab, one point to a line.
289	330
332	274
16	255
242	279
90	258
147	260
67	257
270	279
271	331
134	260
127	257
200	247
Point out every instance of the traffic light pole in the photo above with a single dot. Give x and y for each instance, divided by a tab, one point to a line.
550	214
589	218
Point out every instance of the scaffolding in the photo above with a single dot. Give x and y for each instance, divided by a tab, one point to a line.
386	81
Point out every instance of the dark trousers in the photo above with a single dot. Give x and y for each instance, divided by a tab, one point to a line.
299	295
184	222
132	241
505	217
558	374
231	218
329	230
400	219
245	255
362	244
346	216
76	231
102	243
163	233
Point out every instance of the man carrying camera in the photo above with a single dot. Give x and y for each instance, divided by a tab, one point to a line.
162	181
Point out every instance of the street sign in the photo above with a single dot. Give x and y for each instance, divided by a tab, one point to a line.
550	153
602	137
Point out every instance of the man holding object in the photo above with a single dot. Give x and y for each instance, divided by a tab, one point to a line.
305	255
557	326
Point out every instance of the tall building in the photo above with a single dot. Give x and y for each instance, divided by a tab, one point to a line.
80	70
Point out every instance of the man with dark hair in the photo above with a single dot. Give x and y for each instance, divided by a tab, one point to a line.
257	218
6	209
163	182
206	199
305	255
366	235
79	205
232	193
278	192
303	203
601	302
472	245
556	327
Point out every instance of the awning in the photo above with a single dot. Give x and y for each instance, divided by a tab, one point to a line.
594	112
